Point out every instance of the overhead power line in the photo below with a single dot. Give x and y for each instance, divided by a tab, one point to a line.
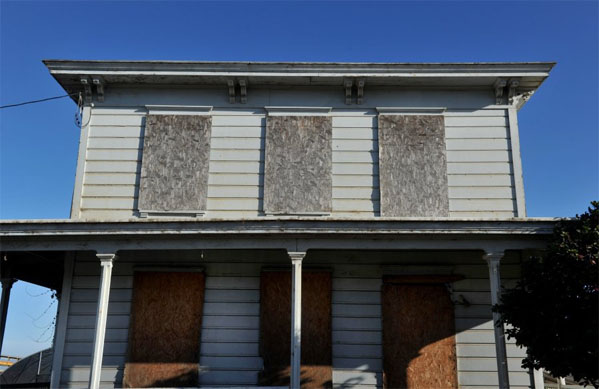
37	101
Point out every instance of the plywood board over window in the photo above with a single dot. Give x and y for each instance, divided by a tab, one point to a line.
174	171
418	333
413	165
165	329
298	165
275	329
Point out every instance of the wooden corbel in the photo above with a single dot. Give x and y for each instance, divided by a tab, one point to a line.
231	85
499	86
348	84
243	91
99	83
360	92
514	84
87	88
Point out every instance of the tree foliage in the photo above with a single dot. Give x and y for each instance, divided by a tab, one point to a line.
553	309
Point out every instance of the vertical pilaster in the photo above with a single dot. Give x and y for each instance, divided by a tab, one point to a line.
106	261
81	156
517	162
6	287
493	260
296	317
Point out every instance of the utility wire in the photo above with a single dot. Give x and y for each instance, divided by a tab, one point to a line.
38	101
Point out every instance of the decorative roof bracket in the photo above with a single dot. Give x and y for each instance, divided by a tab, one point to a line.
231	85
499	86
514	84
87	88
99	83
243	91
235	86
348	84
360	92
352	85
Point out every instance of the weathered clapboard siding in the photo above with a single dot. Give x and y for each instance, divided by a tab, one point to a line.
357	329
81	325
355	164
480	174
477	365
229	351
236	178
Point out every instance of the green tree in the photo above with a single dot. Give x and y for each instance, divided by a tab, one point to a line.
553	309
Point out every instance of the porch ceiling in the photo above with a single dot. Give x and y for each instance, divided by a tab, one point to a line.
44	268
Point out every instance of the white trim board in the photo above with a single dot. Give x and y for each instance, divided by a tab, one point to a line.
411	110
298	111
179	109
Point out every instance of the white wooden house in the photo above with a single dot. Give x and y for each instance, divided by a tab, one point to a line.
241	224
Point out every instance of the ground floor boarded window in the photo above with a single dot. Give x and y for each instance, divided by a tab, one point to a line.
419	348
164	334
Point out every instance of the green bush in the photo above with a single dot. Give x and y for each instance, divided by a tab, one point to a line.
553	310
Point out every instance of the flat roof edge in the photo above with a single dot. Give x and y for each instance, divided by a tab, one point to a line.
59	65
283	220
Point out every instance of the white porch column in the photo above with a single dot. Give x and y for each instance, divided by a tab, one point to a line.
106	261
296	317
493	260
6	287
539	380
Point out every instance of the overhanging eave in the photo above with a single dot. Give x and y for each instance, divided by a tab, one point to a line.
298	234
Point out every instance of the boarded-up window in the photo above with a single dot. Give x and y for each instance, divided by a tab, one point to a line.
418	335
275	329
164	334
413	165
298	165
174	172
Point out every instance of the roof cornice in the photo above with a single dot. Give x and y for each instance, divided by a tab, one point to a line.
75	75
315	69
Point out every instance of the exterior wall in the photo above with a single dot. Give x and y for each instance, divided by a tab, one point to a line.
230	334
479	158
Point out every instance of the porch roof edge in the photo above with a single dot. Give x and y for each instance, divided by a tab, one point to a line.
277	226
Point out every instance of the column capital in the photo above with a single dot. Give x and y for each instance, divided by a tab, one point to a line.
493	257
296	256
106	258
7	282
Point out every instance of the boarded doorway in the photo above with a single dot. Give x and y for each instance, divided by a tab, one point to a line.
164	333
418	333
275	329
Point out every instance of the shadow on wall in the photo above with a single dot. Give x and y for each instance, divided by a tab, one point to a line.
419	348
312	376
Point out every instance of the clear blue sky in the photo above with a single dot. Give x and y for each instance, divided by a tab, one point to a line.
38	143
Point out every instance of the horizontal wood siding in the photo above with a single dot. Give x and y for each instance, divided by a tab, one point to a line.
355	165
357	329
479	163
82	320
229	350
475	339
231	329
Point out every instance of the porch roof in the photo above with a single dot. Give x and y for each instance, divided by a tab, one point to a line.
291	233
